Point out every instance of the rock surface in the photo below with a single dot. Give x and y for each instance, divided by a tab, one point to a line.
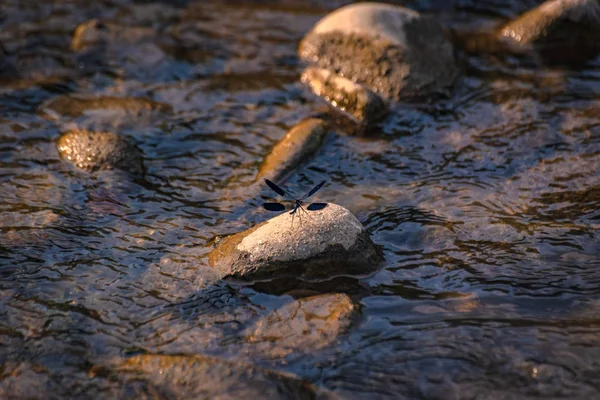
391	50
77	106
299	143
304	325
201	377
563	25
93	151
94	32
324	243
359	101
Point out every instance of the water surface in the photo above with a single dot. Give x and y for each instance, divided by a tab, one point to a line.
487	206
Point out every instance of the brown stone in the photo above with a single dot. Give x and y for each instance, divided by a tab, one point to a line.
299	143
93	151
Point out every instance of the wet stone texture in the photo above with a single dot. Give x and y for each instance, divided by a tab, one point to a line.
361	103
304	325
317	244
211	378
93	151
392	50
299	143
559	29
131	106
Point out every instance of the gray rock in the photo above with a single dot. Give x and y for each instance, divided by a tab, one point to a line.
304	325
563	25
93	151
201	377
390	50
325	243
299	143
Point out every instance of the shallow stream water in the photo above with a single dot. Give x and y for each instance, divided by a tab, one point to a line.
487	206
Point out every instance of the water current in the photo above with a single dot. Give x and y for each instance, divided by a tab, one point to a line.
486	205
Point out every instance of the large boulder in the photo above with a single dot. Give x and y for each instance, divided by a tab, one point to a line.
316	244
560	29
390	50
93	151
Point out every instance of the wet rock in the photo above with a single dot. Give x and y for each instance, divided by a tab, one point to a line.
210	378
390	50
93	151
324	243
77	106
299	143
356	99
95	32
304	325
556	27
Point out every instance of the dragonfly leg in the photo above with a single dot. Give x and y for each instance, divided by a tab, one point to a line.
302	208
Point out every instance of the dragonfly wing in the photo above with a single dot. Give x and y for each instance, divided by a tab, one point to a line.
275	188
314	190
274	206
316	206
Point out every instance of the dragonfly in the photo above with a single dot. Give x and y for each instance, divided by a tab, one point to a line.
297	202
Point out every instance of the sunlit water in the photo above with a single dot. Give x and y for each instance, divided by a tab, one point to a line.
487	206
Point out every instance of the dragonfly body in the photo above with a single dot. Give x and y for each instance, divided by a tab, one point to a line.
297	203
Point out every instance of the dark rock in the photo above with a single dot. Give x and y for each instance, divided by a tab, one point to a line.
559	29
299	143
7	69
94	151
325	243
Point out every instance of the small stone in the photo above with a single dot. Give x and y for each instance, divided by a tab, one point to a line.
77	106
319	244
93	151
299	143
94	32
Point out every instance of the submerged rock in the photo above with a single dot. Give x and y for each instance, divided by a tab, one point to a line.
390	50
94	32
94	151
319	244
299	143
77	106
201	377
556	27
304	325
